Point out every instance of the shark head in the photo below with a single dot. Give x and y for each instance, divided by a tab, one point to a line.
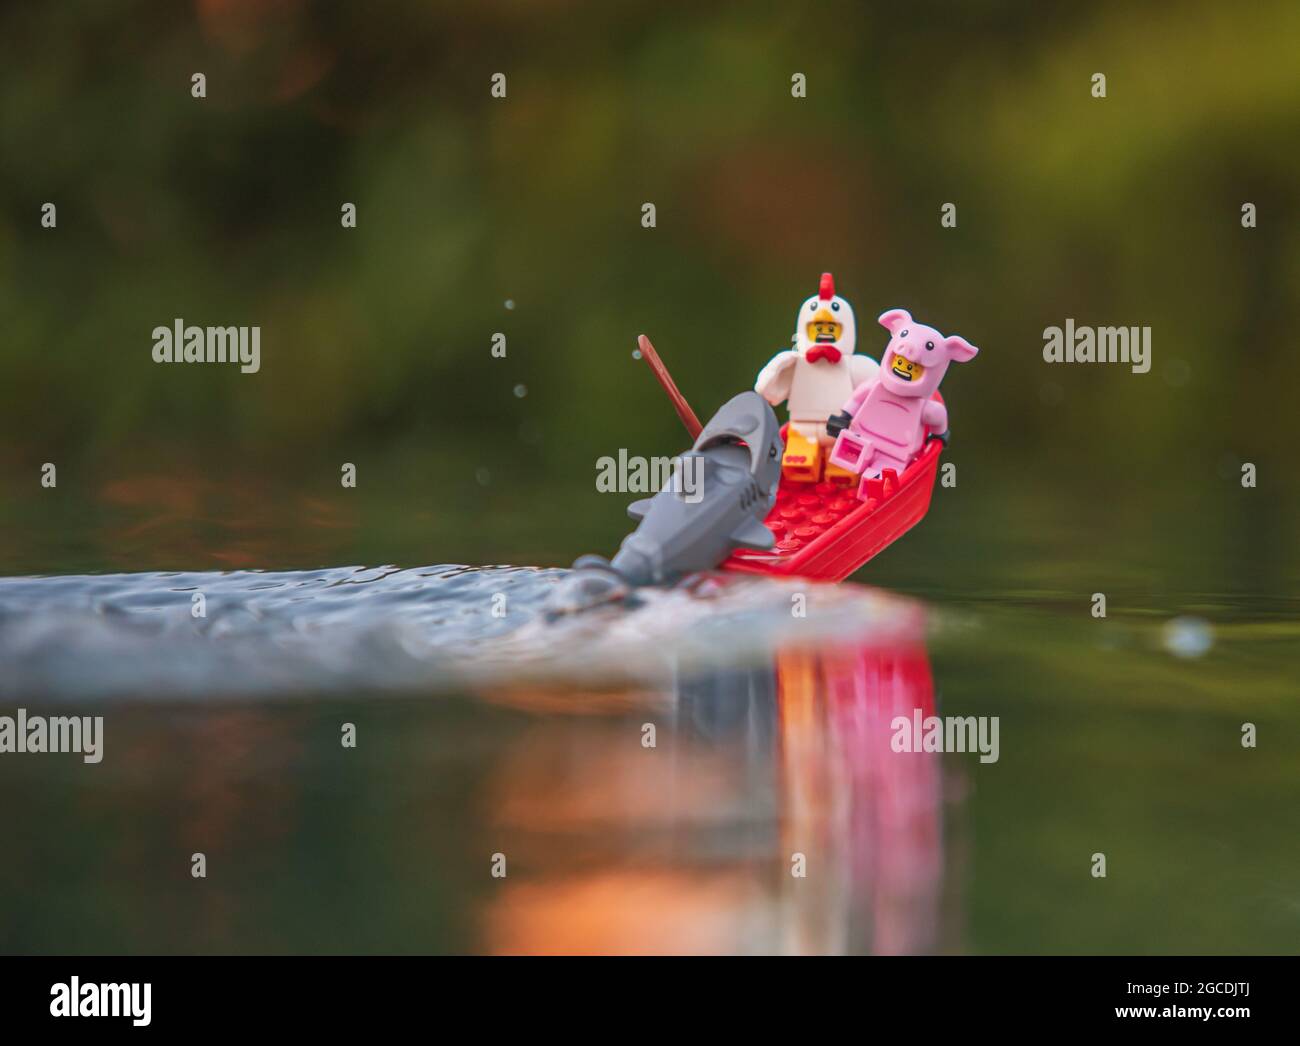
740	454
749	420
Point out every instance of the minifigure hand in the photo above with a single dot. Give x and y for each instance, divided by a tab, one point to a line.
942	437
837	423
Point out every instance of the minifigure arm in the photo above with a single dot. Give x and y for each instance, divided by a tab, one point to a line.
837	423
934	415
773	382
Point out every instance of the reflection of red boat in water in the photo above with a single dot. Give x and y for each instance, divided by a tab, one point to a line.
870	817
823	530
773	814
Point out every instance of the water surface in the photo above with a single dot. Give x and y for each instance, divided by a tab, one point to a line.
654	779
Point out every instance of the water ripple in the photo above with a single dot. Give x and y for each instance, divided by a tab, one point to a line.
387	628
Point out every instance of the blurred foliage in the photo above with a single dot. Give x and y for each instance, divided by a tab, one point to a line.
375	341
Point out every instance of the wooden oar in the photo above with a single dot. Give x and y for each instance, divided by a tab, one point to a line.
683	408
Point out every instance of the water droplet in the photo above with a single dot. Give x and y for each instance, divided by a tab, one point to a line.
636	354
510	303
521	391
1187	637
483	476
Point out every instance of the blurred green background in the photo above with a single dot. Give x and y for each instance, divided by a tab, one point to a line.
376	340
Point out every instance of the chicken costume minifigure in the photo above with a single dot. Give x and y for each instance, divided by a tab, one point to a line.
814	379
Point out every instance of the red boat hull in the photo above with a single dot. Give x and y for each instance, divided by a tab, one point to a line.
825	533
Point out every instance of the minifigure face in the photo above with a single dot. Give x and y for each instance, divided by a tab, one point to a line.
917	356
825	319
904	369
824	328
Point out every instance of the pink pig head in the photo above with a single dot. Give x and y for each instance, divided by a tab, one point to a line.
917	356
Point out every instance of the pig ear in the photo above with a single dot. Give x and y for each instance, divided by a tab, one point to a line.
894	318
959	348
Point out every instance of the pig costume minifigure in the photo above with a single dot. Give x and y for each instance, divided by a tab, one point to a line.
883	424
813	379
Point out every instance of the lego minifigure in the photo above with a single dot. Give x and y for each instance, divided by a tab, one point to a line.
814	379
883	423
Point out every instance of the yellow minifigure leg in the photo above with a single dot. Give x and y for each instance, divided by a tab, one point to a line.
802	461
840	477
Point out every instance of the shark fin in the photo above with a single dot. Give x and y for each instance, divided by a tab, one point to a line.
753	535
638	509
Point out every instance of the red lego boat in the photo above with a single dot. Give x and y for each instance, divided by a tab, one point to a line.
823	531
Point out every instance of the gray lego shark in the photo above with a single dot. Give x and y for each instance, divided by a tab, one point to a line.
687	528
